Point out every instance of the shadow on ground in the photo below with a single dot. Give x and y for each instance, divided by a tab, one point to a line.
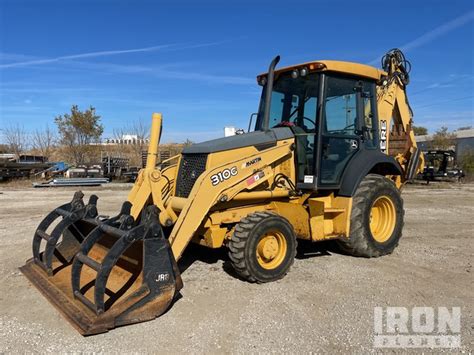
305	250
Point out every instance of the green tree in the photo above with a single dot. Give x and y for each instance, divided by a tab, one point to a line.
443	139
466	161
77	131
420	131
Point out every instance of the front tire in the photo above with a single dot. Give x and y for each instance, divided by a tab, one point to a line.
376	218
263	247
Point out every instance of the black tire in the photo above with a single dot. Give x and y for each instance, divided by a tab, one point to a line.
361	241
243	246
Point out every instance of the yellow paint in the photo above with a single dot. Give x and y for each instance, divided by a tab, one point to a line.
336	66
213	237
156	124
392	107
204	195
148	187
329	216
271	250
234	215
316	212
296	214
383	219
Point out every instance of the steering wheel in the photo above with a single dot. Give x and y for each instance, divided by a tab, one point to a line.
342	131
307	119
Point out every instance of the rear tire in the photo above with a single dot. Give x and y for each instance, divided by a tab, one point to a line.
263	247
376	218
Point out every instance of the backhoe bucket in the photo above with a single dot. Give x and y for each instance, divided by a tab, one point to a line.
101	273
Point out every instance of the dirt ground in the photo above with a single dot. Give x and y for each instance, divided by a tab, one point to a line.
325	303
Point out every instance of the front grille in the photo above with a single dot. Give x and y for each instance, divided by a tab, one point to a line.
190	168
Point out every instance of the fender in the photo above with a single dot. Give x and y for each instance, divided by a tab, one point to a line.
364	162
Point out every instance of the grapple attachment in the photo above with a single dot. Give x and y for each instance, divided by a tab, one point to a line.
103	272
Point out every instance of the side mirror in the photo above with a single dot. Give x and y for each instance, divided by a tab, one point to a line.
251	119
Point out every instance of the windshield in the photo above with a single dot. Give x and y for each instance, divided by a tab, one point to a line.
294	102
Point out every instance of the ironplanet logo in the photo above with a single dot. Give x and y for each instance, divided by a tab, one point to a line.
417	327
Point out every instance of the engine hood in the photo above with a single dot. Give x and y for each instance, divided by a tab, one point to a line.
259	139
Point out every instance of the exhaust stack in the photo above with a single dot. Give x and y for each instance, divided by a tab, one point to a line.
268	92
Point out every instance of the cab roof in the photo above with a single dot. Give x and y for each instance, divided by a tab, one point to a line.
357	69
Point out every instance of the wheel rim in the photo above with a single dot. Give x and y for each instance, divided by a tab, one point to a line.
271	250
383	218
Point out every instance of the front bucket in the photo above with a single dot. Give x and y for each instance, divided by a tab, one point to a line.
120	274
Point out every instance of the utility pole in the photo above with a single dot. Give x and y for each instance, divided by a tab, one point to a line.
348	110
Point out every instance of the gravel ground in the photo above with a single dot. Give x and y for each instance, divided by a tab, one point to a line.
325	304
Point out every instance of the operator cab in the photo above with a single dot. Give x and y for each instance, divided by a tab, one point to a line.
332	114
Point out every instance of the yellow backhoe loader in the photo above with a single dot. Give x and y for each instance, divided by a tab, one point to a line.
331	147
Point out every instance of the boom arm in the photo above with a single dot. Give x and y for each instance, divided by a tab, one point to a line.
395	116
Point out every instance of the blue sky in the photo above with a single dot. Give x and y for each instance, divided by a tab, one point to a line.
196	61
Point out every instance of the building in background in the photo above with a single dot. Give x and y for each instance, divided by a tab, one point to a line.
464	142
129	139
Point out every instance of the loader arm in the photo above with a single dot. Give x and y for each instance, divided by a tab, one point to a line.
148	180
205	195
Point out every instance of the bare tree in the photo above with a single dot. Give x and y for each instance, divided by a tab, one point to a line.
17	138
44	140
137	133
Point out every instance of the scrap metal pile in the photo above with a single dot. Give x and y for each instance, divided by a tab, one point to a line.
72	182
21	168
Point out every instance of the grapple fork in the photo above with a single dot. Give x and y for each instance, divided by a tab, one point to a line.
72	213
121	272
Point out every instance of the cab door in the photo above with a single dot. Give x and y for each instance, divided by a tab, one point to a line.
347	126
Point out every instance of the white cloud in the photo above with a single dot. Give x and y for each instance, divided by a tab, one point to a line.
169	47
444	28
435	33
439	86
78	56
